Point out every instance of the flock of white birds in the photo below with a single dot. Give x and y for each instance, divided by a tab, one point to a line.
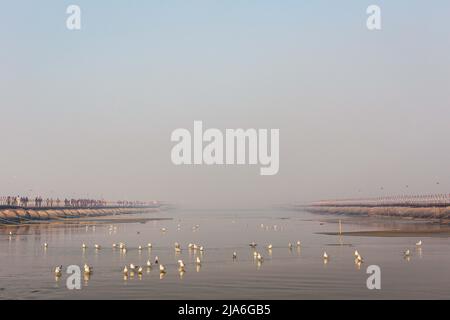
131	269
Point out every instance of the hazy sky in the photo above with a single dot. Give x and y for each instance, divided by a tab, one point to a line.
90	112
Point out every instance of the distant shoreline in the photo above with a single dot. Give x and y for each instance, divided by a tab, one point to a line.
425	213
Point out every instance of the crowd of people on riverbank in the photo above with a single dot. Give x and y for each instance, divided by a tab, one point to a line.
39	202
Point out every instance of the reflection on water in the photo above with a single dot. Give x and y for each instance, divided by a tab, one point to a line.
287	262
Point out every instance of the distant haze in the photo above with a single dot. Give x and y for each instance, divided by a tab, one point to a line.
89	113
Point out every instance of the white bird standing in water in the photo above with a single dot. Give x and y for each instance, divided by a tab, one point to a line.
140	248
149	245
149	263
407	253
87	269
132	267
325	255
114	245
234	255
139	270
156	260
84	246
290	245
419	243
356	253
125	270
298	243
198	261
98	247
58	271
270	247
162	269
259	257
359	259
46	245
181	266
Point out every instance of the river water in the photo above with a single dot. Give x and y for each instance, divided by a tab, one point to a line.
26	267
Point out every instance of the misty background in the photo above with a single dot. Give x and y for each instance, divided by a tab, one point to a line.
89	113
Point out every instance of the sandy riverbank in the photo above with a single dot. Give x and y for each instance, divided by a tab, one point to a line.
431	213
443	233
21	215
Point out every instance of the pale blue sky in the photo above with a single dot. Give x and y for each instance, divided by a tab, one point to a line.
91	111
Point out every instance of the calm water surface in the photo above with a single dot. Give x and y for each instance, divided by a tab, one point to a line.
27	268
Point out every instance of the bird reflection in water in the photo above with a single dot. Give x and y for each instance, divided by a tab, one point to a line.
258	265
419	252
86	278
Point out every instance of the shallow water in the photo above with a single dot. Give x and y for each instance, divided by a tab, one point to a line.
27	268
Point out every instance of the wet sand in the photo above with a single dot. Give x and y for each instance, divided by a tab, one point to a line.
427	213
444	233
389	227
